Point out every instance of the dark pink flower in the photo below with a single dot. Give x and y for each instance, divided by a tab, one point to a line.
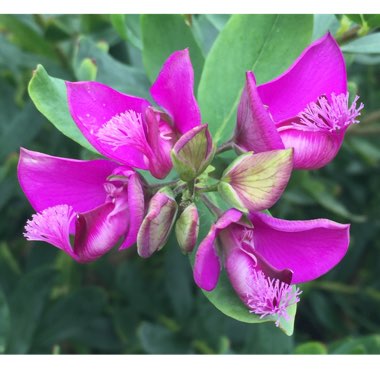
305	108
128	129
264	256
98	201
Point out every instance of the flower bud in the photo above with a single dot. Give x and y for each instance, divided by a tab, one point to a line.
187	228
158	222
193	152
255	182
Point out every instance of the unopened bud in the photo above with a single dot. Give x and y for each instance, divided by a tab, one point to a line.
193	152
187	228
255	182
157	224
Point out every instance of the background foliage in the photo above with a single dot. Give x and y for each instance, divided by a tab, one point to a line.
124	304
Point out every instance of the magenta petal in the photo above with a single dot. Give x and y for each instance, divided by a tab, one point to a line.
136	210
98	230
319	70
173	90
48	181
207	264
255	130
160	163
312	150
240	269
92	105
308	248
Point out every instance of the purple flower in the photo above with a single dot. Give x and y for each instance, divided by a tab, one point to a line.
305	108
264	256
128	129
98	201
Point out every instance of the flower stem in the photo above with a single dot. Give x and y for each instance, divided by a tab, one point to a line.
211	206
225	147
156	186
207	189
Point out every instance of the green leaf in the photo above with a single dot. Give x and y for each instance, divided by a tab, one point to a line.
178	279
162	35
224	298
265	44
311	348
118	22
156	339
113	73
26	305
69	315
365	45
25	36
49	96
5	321
363	345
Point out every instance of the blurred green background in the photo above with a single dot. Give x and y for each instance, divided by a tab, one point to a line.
124	304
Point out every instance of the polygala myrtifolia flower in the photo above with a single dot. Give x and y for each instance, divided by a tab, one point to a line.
264	256
98	201
294	121
305	108
128	129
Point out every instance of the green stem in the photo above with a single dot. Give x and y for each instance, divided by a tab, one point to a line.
156	186
211	206
207	189
225	147
337	287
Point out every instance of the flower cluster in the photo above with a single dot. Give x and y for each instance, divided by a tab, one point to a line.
296	121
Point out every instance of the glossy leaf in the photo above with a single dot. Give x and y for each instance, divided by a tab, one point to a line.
369	44
49	97
266	44
162	35
5	322
26	304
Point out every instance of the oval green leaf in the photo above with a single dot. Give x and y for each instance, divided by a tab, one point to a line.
265	44
162	35
49	96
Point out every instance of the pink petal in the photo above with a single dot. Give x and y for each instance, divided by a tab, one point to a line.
320	69
173	90
98	230
92	105
308	248
255	130
136	210
159	159
207	264
312	150
48	181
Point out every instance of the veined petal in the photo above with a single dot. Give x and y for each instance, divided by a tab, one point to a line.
98	230
319	70
48	181
207	263
263	295
174	91
160	144
157	224
136	203
255	130
309	248
312	150
92	105
256	181
52	226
